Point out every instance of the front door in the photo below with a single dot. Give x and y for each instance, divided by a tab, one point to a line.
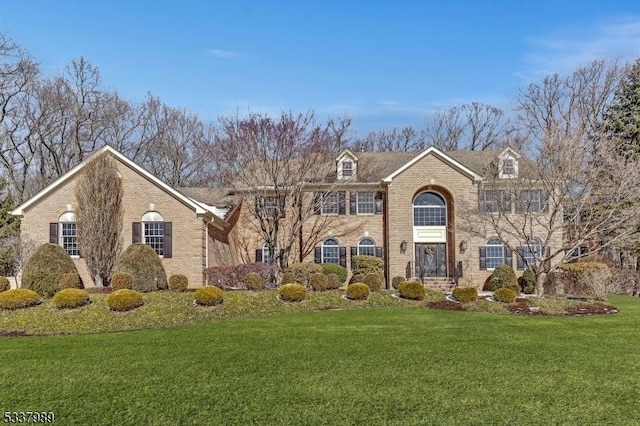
431	260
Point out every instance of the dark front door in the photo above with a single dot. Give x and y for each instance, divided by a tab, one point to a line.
431	260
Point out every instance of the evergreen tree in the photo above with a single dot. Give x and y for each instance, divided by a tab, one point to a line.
9	227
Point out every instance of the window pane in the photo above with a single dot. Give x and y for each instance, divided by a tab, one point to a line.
429	216
70	239
154	236
365	203
366	247
330	203
495	253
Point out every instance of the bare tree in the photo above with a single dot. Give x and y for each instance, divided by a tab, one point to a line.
100	214
20	246
404	139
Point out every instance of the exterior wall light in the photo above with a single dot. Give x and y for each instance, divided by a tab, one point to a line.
403	246
463	246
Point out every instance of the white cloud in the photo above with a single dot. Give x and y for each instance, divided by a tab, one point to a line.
221	53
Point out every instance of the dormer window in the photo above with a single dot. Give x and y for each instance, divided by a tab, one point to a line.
347	168
509	167
346	165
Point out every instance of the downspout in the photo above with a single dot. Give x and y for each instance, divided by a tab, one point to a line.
385	236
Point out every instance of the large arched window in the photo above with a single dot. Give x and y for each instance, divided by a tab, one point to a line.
330	251
153	231
429	209
69	233
495	253
366	246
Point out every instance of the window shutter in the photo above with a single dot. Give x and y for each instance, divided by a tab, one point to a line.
520	258
136	232
168	252
343	256
283	207
544	199
317	202
547	263
318	255
353	203
354	251
379	252
342	204
506	201
378	203
258	255
53	233
483	258
508	256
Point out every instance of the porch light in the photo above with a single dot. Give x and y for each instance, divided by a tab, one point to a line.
403	246
463	246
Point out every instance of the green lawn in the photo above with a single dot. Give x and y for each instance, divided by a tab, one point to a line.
389	365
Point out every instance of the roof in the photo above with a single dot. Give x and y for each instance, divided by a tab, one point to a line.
199	208
218	200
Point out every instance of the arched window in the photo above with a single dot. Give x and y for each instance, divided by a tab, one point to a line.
266	258
69	233
495	253
330	251
429	209
153	231
367	246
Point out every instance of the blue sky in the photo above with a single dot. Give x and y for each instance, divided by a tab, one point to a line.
384	63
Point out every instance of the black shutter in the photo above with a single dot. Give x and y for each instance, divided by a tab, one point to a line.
317	255
547	263
136	232
379	252
258	255
317	202
353	202
283	207
53	233
342	204
343	256
168	252
378	203
508	256
354	251
520	258
483	258
506	201
544	198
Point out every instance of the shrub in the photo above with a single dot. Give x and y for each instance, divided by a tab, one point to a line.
288	277
357	278
319	282
339	270
70	280
527	282
333	282
178	282
304	271
143	264
358	291
584	279
361	266
18	298
395	282
292	292
70	298
465	294
623	281
209	296
413	290
374	281
253	281
502	276
43	270
513	286
124	300
4	284
232	276
121	280
504	295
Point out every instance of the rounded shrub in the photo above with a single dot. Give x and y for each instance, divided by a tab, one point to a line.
358	291
178	282
502	276
124	300
18	298
304	271
253	281
374	281
585	279
465	294
288	277
527	282
71	298
143	264
4	284
208	296
339	270
504	295
395	282
413	290
319	282
70	280
366	263
357	278
121	280
513	286
43	270
292	292
333	282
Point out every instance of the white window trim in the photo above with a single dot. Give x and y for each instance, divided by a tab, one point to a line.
501	173
373	203
367	246
501	245
65	218
148	218
324	244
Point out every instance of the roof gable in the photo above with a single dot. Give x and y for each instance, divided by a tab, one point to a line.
440	155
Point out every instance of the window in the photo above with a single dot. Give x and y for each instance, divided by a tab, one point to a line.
429	209
530	251
495	253
532	201
268	206
329	202
494	201
153	231
509	167
347	168
367	246
365	204
330	251
69	234
266	258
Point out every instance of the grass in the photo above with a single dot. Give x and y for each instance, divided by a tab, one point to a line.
387	365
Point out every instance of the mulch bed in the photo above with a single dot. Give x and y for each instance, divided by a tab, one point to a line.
13	333
595	308
446	305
